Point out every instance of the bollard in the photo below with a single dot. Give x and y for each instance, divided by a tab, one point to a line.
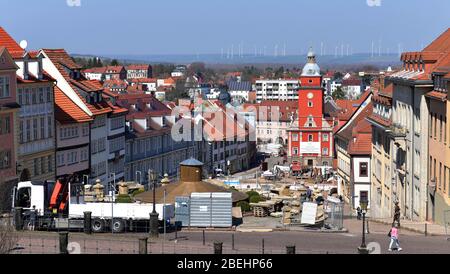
63	242
203	237
143	245
232	241
18	220
218	248
426	229
87	222
263	246
176	231
290	249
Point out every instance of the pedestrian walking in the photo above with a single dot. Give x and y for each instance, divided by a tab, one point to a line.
393	234
33	214
396	215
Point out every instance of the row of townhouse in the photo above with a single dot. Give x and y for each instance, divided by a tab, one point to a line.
149	143
411	147
228	139
134	71
55	123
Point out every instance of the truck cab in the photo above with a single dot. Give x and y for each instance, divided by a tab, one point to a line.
33	193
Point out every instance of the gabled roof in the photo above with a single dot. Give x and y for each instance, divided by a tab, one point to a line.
61	57
10	44
66	111
138	67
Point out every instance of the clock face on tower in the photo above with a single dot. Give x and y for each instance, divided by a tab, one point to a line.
310	95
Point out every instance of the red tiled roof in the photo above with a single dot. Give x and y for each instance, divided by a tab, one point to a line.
66	111
95	70
378	119
348	131
138	67
10	44
437	95
32	79
442	43
61	57
143	80
114	69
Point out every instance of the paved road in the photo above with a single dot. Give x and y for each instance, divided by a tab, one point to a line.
190	242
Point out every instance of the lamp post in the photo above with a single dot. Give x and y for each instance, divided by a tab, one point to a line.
363	248
153	215
113	184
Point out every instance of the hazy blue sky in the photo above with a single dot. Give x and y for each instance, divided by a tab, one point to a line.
208	26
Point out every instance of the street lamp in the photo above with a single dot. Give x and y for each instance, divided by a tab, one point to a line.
113	184
363	204
152	176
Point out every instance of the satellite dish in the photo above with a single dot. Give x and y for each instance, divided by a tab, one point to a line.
23	44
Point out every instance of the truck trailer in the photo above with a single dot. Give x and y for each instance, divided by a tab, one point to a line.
48	205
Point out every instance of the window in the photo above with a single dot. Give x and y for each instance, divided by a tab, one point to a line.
41	95
84	155
28	131
294	137
310	137
60	159
35	129
49	127
85	130
42	123
21	132
310	104
101	144
72	157
20	96
5	159
5	125
43	160
295	151
26	94
325	137
363	169
94	148
325	151
50	163
33	96
4	87
117	122
49	94
36	166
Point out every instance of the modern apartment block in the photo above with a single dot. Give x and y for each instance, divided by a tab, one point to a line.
277	90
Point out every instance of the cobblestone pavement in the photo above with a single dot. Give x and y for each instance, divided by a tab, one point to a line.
191	242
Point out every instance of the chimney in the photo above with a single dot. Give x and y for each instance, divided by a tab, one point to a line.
40	68
25	67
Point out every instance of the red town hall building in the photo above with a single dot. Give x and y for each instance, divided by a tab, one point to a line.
311	134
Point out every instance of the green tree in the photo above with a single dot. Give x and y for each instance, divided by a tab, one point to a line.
114	62
338	94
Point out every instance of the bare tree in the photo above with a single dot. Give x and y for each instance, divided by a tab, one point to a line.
8	237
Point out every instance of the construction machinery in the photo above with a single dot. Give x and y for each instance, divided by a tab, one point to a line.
62	205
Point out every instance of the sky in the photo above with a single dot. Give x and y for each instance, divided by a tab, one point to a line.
148	27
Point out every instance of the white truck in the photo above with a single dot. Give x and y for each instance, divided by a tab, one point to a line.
53	208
